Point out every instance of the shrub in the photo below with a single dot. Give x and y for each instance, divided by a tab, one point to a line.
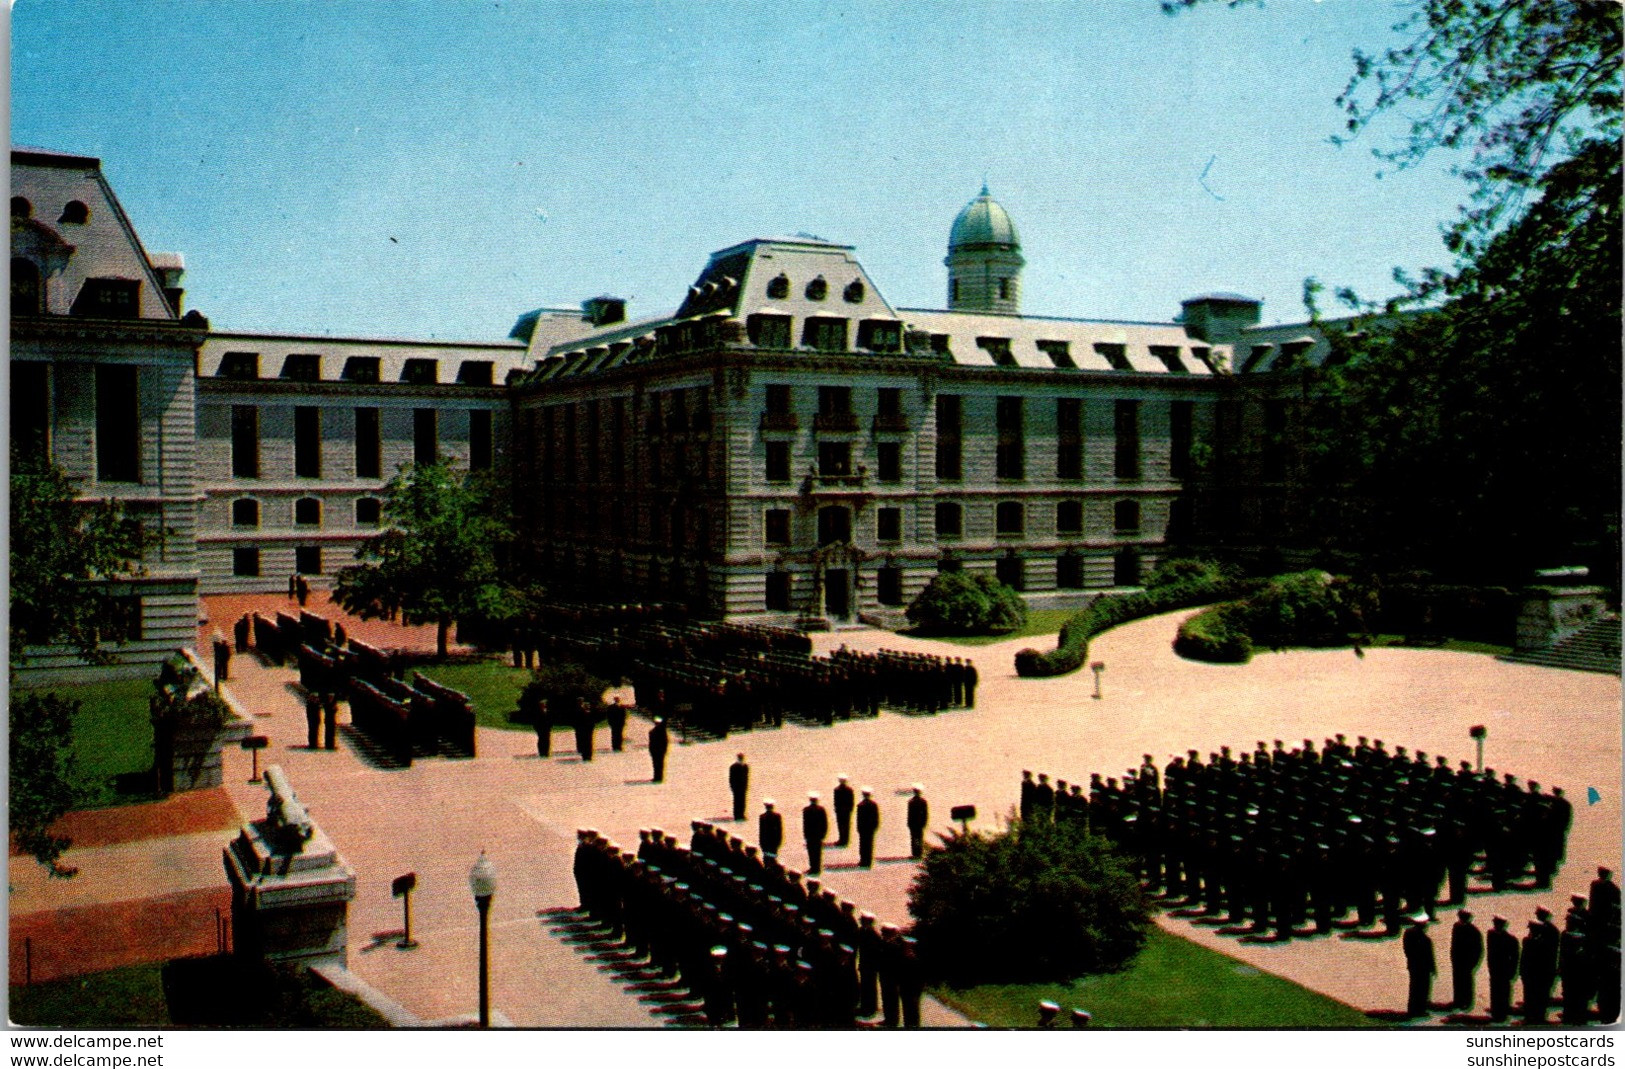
1212	635
1043	901
564	686
967	603
1178	570
1104	613
43	775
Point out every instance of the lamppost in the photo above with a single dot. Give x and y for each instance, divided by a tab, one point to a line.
1478	732
482	881
1097	668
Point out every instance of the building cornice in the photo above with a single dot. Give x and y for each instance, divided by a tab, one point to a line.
80	328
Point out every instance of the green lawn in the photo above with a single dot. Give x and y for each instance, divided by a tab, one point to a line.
1045	622
112	736
1172	984
190	992
493	686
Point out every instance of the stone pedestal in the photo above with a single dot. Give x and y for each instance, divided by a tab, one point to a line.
290	889
1550	614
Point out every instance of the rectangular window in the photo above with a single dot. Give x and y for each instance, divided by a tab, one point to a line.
824	334
777	522
778	462
889	462
369	445
479	439
307	442
949	454
889	525
123	621
889	401
880	335
421	372
834	459
302	367
1068	438
245	442
360	369
475	372
1069	517
118	424
1012	446
778	399
425	436
240	366
768	331
949	520
31	409
108	298
889	586
245	562
1179	438
1069	571
307	560
368	512
1011	571
778	591
1126	421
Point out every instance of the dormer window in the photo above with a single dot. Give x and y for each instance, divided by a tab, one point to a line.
880	335
824	334
1116	356
109	298
421	372
817	289
1169	355
302	367
854	292
1059	353
779	288
75	211
999	350
360	369
768	331
240	366
477	372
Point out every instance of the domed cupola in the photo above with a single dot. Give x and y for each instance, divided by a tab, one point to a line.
984	259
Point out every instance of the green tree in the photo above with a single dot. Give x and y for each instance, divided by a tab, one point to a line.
1042	901
62	552
43	776
1479	434
967	603
437	559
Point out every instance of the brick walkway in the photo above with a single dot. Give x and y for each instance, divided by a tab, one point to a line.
222	611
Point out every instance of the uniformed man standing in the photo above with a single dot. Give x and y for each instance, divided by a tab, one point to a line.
844	803
868	824
330	719
1466	951
1540	949
542	721
1420	964
313	721
739	784
919	816
1502	949
659	743
814	830
770	829
586	723
617	724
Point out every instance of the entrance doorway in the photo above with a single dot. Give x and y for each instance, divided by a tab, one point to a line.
838	593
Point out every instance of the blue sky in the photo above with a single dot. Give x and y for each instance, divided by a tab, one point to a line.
435	168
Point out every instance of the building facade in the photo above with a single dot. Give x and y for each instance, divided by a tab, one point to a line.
786	446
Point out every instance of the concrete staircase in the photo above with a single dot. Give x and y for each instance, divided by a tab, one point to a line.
1593	648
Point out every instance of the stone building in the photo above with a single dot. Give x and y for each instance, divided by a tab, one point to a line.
101	381
790	446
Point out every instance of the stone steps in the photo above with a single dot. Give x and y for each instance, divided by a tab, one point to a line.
1593	648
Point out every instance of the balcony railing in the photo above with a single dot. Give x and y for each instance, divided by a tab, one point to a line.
779	421
895	422
835	421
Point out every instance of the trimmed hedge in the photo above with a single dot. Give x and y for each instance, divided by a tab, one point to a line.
1104	613
967	603
1213	635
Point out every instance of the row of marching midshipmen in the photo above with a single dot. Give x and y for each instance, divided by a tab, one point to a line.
1277	837
757	943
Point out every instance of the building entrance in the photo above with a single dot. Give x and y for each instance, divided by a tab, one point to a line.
838	593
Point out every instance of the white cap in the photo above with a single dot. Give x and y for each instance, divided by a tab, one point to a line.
918	787
813	796
769	801
868	790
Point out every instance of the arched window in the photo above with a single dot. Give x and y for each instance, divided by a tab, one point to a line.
307	512
854	292
1010	518
779	288
1126	516
75	211
26	290
1126	568
20	208
369	512
817	289
245	512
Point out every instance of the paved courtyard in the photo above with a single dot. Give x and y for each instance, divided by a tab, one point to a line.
1554	726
